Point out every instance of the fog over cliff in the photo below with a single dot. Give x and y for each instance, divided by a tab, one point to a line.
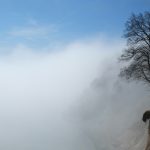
70	99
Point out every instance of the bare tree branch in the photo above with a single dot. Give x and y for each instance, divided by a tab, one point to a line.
137	53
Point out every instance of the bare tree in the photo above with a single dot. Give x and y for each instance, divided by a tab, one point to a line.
137	53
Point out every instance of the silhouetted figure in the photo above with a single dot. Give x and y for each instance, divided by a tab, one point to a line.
146	117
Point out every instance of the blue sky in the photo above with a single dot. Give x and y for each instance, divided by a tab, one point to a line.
39	22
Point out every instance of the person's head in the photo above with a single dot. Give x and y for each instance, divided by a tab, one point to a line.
146	116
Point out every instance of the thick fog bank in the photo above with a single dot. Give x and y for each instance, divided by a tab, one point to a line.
110	112
70	99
